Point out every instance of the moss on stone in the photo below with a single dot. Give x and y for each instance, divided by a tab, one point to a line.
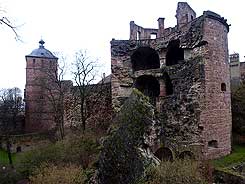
120	160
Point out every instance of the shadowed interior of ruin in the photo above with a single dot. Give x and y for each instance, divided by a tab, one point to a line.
186	155
213	144
149	86
174	53
164	154
168	83
145	58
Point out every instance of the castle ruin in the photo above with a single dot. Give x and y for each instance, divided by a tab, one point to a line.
185	72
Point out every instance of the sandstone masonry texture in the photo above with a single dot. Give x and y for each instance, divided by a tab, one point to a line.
185	72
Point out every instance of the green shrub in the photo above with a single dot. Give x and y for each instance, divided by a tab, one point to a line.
120	160
237	156
4	160
176	172
57	174
81	150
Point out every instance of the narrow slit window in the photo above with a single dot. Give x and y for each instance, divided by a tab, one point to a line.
223	87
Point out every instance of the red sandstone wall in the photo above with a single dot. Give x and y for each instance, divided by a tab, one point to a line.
216	109
39	116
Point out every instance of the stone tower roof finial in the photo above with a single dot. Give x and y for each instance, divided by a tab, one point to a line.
41	43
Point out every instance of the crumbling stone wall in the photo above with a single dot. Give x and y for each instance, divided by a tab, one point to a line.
193	80
235	70
184	14
98	107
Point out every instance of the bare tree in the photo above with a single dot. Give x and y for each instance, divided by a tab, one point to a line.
4	20
11	105
84	74
56	89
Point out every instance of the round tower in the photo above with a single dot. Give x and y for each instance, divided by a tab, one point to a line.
41	65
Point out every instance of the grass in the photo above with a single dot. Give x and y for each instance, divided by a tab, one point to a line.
4	157
237	156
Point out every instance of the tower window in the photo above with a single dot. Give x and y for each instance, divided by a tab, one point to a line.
174	53
223	87
33	61
213	144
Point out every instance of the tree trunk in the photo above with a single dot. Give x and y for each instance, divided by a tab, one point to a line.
83	115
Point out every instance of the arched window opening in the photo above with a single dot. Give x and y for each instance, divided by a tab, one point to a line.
145	58
187	155
213	144
223	87
149	86
164	154
168	84
174	53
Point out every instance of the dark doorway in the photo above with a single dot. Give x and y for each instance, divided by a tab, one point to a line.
149	86
174	53
18	149
164	154
168	84
145	58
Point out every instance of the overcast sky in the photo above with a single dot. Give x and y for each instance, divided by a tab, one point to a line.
67	26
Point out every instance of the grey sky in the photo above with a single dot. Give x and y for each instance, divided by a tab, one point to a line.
67	26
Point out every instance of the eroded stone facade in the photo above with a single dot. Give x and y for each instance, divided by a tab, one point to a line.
185	72
237	70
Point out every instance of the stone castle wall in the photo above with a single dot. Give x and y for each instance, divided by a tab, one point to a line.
185	72
216	108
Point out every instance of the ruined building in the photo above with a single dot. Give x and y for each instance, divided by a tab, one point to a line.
185	72
237	70
183	69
